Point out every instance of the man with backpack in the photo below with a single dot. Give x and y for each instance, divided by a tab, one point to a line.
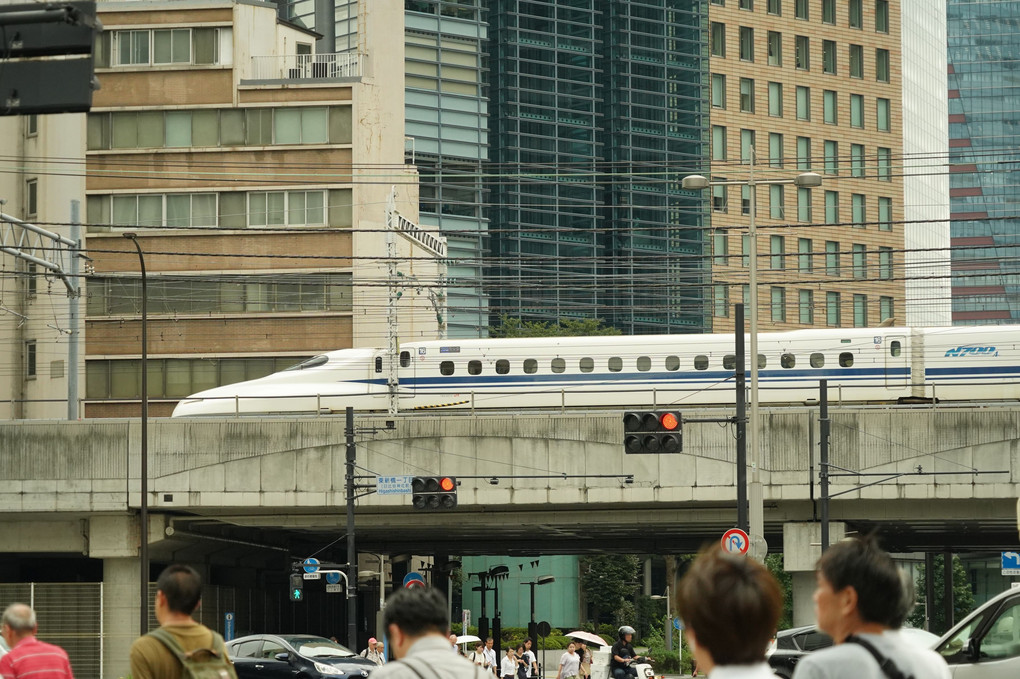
181	648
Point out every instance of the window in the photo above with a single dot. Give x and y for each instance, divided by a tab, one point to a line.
832	207
860	260
446	368
803	204
884	214
846	359
778	304
747	145
884	164
718	142
856	110
474	367
721	3
717	39
831	157
881	16
30	359
859	208
171	46
720	249
502	366
729	362
803	153
131	47
882	117
788	361
32	198
776	7
803	102
882	65
287	208
775	46
718	90
856	61
885	263
776	99
832	309
800	9
720	301
885	308
829	56
31	125
745	201
586	365
531	366
806	307
162	47
175	378
747	95
832	258
700	362
777	201
805	260
777	246
802	52
829	12
829	107
32	279
860	311
817	360
775	149
746	43
745	251
746	4
855	13
856	160
672	363
615	364
558	365
719	198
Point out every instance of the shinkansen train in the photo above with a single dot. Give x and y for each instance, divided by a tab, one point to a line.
860	364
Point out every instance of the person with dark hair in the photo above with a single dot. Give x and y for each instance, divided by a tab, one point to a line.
178	595
730	605
28	656
861	600
622	655
416	625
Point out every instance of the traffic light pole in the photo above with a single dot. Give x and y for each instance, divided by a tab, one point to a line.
352	555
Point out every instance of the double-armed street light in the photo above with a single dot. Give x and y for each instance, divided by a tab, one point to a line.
756	508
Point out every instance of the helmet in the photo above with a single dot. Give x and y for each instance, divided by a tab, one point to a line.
626	629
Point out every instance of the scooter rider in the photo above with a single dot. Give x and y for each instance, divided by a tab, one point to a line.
623	655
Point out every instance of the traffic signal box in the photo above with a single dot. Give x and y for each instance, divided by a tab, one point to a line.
653	432
297	587
433	493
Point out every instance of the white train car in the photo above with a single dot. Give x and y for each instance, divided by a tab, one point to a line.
860	364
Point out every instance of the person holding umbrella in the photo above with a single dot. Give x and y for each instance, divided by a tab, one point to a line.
584	653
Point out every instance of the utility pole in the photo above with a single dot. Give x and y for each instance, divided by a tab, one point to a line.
741	421
352	554
392	295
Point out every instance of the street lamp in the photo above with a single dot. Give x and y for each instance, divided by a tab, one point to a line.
143	509
669	617
696	182
540	580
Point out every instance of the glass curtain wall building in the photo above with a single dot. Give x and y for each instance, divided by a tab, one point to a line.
595	114
984	138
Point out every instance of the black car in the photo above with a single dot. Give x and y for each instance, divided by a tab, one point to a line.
295	656
791	644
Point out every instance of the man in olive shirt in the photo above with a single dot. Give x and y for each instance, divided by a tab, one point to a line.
178	594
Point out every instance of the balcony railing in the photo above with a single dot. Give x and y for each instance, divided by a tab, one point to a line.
307	66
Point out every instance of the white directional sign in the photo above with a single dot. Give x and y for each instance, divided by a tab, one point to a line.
332	589
393	485
312	576
1011	563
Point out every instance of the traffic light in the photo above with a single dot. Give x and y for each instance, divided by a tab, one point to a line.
431	493
297	587
653	432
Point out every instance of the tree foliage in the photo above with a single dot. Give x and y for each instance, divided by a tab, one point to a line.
509	327
774	562
963	597
606	580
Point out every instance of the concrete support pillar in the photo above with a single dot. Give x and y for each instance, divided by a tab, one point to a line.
802	545
120	614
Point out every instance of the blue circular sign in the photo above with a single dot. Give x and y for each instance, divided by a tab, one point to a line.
410	577
311	564
333	577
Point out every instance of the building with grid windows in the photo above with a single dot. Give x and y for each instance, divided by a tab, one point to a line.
984	100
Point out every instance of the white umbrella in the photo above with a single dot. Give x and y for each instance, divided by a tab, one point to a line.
589	637
466	639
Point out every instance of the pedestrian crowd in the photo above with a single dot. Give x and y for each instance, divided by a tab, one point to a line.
731	605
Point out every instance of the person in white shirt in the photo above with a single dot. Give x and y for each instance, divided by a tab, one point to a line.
731	606
508	665
570	663
477	656
490	656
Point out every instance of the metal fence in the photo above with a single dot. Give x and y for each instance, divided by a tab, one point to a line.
307	66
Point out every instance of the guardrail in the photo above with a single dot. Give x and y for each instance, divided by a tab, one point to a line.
307	66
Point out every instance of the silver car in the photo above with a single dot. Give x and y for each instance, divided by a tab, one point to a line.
986	644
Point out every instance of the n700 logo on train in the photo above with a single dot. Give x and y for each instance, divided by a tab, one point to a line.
972	351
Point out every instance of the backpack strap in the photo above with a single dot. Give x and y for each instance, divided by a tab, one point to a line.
170	641
885	663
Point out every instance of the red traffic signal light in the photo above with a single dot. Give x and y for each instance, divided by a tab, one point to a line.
653	432
429	493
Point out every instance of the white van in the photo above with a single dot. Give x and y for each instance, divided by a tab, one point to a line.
986	644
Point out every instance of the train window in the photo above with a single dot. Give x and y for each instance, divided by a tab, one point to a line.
672	363
895	349
788	360
502	366
729	362
615	364
586	365
644	364
846	359
474	367
762	361
817	360
558	365
378	364
405	359
446	368
530	366
701	362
